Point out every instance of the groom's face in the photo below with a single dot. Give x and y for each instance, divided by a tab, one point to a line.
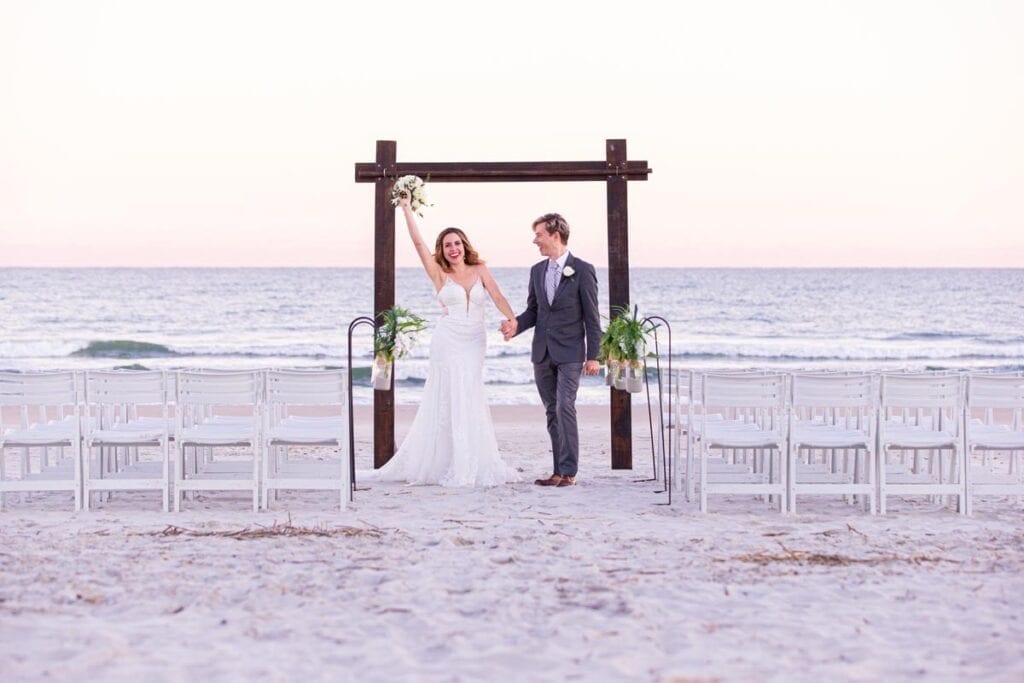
550	245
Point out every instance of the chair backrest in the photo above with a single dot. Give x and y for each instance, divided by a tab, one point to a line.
203	388
745	390
995	391
846	399
692	381
120	387
832	390
921	390
38	389
306	387
929	400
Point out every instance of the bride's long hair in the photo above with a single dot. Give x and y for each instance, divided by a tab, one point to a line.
469	255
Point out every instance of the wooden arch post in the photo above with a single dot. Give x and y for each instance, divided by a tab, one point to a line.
616	170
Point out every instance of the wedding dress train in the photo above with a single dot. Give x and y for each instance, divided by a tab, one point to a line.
451	441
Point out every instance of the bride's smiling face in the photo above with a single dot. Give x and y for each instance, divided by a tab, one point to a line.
453	249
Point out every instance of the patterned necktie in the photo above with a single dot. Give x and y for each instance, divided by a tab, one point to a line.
552	280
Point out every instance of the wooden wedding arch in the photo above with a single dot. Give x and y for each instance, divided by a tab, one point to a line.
616	170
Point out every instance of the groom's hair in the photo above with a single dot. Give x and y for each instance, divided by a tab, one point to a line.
553	222
469	255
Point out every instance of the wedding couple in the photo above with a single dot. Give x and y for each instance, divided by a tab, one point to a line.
451	441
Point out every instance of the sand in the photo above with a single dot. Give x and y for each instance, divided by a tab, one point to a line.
601	581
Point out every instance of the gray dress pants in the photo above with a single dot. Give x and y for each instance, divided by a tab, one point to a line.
557	384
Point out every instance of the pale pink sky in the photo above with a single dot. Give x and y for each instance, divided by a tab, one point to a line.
781	133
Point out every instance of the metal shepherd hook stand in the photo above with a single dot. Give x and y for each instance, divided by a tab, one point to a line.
361	320
666	462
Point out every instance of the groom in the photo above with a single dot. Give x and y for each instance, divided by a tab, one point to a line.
562	307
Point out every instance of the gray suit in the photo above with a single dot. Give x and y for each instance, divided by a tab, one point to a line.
567	333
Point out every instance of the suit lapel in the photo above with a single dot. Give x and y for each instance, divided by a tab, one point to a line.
539	285
562	280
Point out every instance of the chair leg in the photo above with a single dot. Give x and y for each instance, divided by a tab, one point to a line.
674	480
677	480
962	477
882	453
944	499
791	451
691	444
255	476
101	467
870	465
76	453
783	479
86	473
703	478
179	474
264	491
166	490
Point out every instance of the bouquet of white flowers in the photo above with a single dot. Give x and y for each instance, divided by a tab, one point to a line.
410	186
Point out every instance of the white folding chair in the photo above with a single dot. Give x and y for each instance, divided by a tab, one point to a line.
687	387
689	429
921	414
754	405
288	393
987	394
217	410
116	428
50	425
834	414
678	422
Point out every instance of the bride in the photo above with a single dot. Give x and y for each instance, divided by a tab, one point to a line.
451	441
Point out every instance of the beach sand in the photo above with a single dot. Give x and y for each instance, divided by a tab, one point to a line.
596	582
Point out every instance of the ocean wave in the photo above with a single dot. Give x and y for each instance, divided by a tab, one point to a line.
927	336
513	360
1003	342
509	382
1009	368
510	352
124	348
358	373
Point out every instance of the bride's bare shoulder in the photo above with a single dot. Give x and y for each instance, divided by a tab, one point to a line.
484	273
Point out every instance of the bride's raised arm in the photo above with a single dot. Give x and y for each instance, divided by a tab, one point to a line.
426	256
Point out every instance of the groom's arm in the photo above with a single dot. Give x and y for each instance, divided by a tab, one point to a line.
591	313
528	318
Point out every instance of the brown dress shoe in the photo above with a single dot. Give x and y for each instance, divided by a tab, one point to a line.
553	480
567	481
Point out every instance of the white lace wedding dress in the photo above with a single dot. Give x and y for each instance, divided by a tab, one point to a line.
451	441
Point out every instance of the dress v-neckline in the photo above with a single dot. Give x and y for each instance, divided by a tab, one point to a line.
469	291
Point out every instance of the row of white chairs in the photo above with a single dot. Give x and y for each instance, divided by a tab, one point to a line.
865	436
81	432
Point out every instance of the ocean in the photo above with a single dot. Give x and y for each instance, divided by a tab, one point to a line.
878	319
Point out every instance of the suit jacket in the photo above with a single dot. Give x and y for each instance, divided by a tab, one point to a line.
569	328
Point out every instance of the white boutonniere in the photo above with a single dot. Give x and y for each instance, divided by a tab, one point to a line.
568	271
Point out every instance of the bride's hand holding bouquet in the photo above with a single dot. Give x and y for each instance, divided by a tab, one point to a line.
409	191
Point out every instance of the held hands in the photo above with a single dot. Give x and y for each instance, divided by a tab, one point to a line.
591	367
508	328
